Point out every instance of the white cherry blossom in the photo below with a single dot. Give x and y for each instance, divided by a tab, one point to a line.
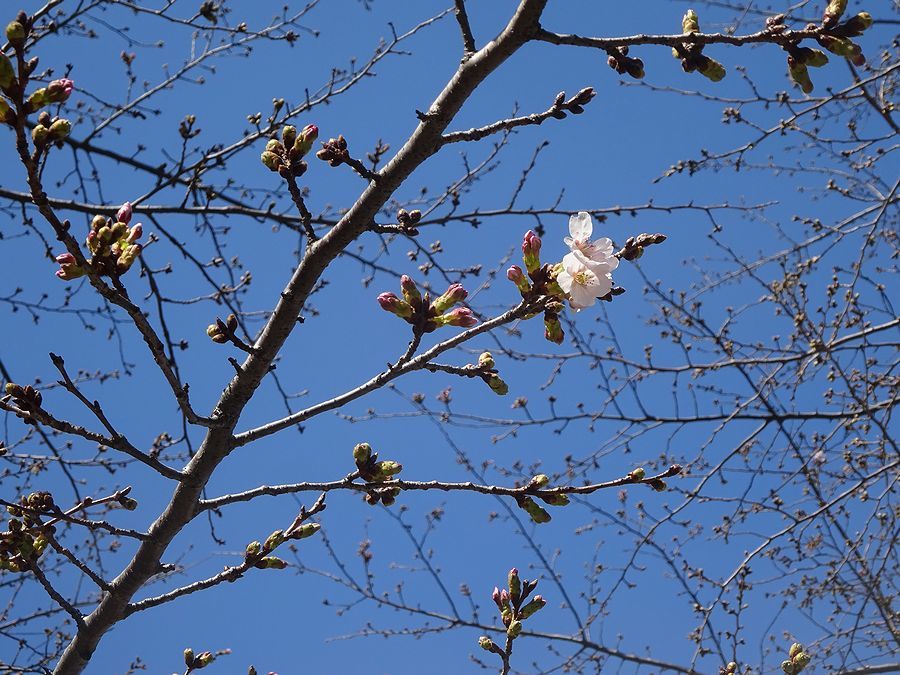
583	283
597	254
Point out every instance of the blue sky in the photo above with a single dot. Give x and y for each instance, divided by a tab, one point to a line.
611	155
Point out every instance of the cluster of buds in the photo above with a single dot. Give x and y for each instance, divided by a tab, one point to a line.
798	659
511	602
834	36
424	314
639	475
259	554
373	471
334	151
221	332
634	246
27	537
620	62
536	512
538	281
285	157
196	662
409	219
799	60
692	56
50	130
113	246
26	398
729	669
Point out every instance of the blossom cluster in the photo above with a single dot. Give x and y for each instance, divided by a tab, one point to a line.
428	315
113	246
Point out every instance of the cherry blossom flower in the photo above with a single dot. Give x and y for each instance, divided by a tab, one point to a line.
582	282
598	254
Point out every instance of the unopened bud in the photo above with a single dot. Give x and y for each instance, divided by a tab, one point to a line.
123	215
274	540
288	135
391	303
486	360
189	657
306	530
362	452
486	643
410	291
271	160
515	628
517	276
537	603
453	295
16	33
60	130
690	23
539	481
833	12
461	316
497	385
553	331
637	474
531	249
40	134
710	68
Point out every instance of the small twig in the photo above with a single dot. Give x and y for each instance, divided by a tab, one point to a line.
53	593
463	19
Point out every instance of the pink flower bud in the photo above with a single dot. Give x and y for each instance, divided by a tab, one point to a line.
495	596
410	290
456	293
123	215
517	276
65	259
461	316
135	233
59	91
531	249
310	132
391	303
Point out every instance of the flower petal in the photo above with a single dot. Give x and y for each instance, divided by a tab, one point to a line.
581	226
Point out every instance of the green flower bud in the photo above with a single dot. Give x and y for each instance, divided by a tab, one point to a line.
637	474
254	548
840	46
306	530
855	26
274	146
553	331
15	33
486	643
275	540
7	116
7	73
271	563
288	135
538	514
795	649
497	385
659	485
537	603
486	360
801	660
788	667
711	69
833	12
558	499
59	130
690	23
204	659
515	628
271	160
514	583
388	468
39	135
361	453
188	657
539	481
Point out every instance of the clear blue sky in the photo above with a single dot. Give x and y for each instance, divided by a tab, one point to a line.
608	156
